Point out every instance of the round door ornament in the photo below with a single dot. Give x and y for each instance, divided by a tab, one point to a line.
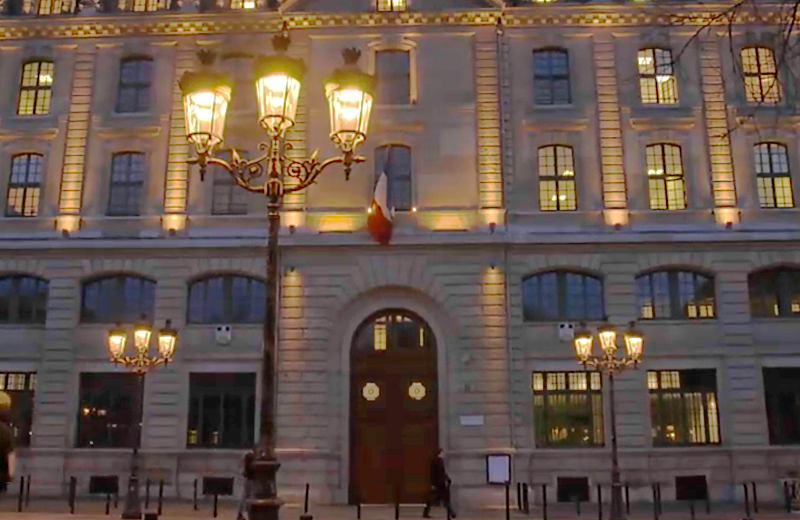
416	391
370	391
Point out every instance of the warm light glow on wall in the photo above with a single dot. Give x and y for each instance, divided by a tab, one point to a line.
336	222
68	223
726	215
616	217
293	218
176	222
446	220
493	216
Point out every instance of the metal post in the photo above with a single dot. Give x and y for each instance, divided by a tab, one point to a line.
544	501
358	508
787	500
526	505
147	494
73	484
660	504
305	515
216	497
599	503
655	502
746	501
508	500
194	501
160	495
578	505
627	500
519	496
708	503
616	486
755	498
21	494
28	491
108	503
691	509
133	508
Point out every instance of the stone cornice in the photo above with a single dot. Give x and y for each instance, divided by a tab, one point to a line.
181	23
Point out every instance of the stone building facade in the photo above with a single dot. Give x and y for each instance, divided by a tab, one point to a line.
564	163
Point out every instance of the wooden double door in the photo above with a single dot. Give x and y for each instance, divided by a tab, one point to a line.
393	409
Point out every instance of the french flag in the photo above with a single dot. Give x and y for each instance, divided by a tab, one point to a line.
379	221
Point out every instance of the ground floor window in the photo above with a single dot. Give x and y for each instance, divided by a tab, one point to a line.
106	413
782	394
20	386
568	408
221	410
683	407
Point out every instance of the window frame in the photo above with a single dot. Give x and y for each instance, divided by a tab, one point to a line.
760	97
38	300
652	78
146	6
383	164
22	403
594	405
781	281
657	394
562	296
199	389
674	295
142	89
661	183
63	7
561	181
550	78
117	388
762	177
28	186
777	385
120	310
126	186
39	89
409	76
227	313
391	6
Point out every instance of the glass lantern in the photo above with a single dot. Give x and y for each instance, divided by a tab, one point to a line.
167	340
279	78
206	96
583	345
634	344
608	339
350	95
117	339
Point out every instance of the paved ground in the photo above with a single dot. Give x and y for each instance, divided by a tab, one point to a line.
41	509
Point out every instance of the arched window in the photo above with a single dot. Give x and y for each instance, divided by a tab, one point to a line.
393	330
127	183
774	178
24	185
556	179
226	299
118	299
775	292
395	161
35	88
665	177
551	77
562	295
675	294
133	90
23	299
760	75
657	84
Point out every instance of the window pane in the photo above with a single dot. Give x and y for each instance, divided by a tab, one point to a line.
683	409
551	77
106	412
226	299
118	299
222	410
392	70
567	410
562	295
17	386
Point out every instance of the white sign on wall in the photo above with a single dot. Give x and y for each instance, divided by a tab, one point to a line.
498	469
471	420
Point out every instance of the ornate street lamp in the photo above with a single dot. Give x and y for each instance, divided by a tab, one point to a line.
206	95
139	363
609	363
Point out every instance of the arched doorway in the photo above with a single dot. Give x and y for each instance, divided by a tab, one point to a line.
393	408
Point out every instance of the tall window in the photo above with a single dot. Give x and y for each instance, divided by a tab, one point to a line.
568	408
35	88
391	5
675	294
760	75
782	394
20	386
683	407
23	299
227	198
393	69
106	412
141	6
118	299
243	4
221	410
657	83
226	299
562	295
127	183
774	293
551	77
774	180
133	91
24	185
556	179
46	7
665	177
395	161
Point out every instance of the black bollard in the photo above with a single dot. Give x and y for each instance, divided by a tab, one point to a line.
526	505
116	499
578	504
147	493
28	491
358	505
599	503
755	498
108	503
195	495
21	494
708	503
655	502
787	501
519	496
691	509
73	484
305	515
627	500
660	504
216	497
160	496
746	501
396	503
544	501
508	505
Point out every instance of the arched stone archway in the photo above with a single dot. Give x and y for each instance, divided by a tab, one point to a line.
393	408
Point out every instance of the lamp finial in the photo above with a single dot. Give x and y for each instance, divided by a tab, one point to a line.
351	55
280	42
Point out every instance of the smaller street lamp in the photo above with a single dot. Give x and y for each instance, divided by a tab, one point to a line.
609	363
139	363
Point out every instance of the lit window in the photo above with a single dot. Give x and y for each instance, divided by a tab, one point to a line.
24	186
392	332
127	183
760	75
774	180
21	387
35	89
657	83
774	293
665	177
379	334
568	409
562	295
133	91
675	295
393	70
47	7
551	77
243	4
683	407
391	5
556	179
395	161
141	6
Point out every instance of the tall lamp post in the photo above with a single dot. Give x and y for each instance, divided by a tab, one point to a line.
608	362
206	95
139	363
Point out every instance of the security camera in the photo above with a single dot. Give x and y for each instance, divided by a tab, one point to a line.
566	331
223	334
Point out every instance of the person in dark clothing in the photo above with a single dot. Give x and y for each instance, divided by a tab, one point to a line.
440	487
7	456
247	473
